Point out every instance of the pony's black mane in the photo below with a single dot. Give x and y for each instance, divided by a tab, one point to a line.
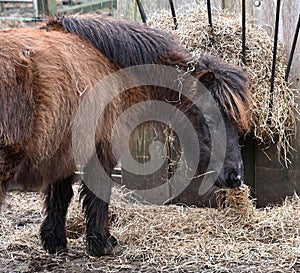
123	42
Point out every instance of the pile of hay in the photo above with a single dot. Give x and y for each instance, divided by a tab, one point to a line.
234	238
195	34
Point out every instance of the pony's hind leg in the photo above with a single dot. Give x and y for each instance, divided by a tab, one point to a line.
57	198
98	239
2	193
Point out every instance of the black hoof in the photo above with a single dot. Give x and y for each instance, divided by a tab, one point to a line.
54	246
53	241
98	246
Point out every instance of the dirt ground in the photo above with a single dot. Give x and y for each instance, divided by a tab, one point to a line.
157	238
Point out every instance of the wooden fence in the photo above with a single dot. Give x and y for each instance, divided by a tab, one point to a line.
17	12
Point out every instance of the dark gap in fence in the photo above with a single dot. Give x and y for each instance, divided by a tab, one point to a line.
274	58
142	11
292	50
173	14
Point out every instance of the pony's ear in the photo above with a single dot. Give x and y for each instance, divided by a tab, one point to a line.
206	77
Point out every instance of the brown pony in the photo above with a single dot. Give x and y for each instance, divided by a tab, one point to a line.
44	75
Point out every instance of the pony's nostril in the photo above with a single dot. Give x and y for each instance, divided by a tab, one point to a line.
234	179
233	176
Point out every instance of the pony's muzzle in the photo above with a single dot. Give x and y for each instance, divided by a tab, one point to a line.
234	179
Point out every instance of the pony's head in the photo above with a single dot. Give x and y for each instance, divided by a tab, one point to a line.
228	86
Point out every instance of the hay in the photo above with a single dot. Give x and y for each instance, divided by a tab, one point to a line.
160	238
236	202
194	33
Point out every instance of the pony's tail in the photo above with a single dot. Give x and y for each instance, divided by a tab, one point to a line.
124	43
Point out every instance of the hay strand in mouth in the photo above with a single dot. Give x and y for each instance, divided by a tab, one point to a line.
236	202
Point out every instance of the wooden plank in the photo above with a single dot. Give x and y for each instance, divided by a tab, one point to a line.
273	182
23	19
45	7
35	8
16	1
145	185
88	7
128	8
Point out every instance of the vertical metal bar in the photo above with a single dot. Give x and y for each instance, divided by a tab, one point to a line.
274	55
173	14
212	40
287	72
244	31
209	13
142	11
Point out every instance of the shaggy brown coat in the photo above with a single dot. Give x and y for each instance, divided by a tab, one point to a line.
45	73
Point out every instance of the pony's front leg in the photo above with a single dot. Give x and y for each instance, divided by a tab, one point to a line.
57	198
99	241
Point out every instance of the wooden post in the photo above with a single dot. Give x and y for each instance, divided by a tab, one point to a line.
46	7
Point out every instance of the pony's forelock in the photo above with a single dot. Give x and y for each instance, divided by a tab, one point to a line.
229	89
